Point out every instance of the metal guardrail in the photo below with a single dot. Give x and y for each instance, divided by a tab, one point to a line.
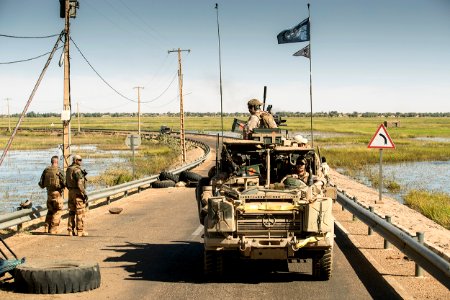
427	259
17	218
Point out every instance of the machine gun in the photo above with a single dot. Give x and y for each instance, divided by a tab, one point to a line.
277	118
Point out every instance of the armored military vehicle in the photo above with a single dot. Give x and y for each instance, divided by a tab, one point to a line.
253	205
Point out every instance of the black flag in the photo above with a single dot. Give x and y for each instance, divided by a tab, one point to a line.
303	52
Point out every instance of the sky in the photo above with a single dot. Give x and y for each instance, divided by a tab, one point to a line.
366	56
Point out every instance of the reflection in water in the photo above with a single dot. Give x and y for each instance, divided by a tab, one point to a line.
21	170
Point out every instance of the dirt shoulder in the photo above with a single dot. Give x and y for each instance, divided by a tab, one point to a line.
395	267
405	218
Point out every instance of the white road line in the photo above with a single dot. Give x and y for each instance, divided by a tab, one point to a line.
198	230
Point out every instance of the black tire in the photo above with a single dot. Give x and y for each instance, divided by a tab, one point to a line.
213	263
158	184
169	176
188	176
198	196
322	267
59	277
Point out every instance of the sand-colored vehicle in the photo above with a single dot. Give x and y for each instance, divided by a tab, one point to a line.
253	205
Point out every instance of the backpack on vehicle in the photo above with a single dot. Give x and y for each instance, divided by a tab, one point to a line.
267	120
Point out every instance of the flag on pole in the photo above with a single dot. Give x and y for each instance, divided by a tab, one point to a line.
303	52
299	33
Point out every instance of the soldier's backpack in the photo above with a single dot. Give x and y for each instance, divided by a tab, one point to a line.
267	120
52	179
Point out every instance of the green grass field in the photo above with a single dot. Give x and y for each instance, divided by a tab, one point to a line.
344	145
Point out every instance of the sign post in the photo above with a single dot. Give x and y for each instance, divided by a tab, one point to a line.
381	140
133	141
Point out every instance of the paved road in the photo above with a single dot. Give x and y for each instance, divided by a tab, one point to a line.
153	250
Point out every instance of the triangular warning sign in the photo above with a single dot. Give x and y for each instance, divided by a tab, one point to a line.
381	139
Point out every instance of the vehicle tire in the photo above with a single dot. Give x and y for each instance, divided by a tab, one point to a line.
58	277
322	267
158	184
188	176
213	263
199	188
167	175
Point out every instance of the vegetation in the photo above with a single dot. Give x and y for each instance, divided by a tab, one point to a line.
343	139
434	205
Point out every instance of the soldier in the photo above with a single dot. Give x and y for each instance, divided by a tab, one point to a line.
76	183
300	170
52	178
258	118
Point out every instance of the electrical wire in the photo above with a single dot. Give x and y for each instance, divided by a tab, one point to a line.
98	74
167	103
156	98
28	37
28	59
8	145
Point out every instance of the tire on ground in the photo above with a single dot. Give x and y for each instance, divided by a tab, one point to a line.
167	175
58	277
163	184
188	176
323	266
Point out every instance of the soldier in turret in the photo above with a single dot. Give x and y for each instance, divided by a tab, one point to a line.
258	118
52	179
76	183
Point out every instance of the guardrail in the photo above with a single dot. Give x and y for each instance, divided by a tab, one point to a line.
17	218
438	267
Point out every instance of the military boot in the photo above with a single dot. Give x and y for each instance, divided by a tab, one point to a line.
82	233
71	232
46	228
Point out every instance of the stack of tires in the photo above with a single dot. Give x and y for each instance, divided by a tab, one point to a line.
168	179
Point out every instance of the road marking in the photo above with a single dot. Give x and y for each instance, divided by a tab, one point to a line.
198	230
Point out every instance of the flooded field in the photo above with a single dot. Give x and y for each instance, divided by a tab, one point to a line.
426	175
21	171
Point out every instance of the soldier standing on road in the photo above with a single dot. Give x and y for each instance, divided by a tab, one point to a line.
76	183
52	178
257	119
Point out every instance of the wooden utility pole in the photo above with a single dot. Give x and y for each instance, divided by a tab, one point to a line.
180	84
9	116
67	105
139	107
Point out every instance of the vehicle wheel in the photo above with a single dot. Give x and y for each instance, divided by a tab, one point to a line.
213	263
199	188
322	267
167	175
189	176
59	277
163	184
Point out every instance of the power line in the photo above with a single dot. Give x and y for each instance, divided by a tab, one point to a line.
27	59
93	69
28	37
156	98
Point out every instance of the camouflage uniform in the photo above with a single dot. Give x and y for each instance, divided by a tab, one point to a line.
76	183
257	119
52	178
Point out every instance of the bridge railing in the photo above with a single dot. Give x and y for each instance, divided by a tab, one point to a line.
436	265
18	218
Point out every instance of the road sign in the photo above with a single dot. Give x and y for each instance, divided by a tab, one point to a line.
133	138
381	139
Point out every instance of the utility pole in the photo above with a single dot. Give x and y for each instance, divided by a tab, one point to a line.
78	115
139	107
180	84
9	116
65	117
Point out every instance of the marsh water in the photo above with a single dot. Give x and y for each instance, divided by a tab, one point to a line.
22	169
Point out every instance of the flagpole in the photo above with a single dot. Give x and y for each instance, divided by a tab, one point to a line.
220	69
310	77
